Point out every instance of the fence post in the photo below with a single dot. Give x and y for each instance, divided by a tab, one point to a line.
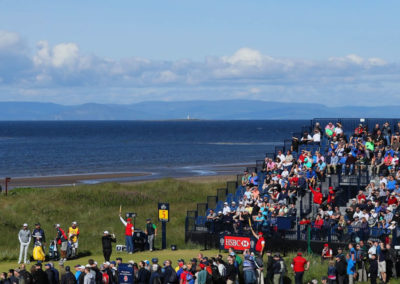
301	206
298	229
309	251
330	235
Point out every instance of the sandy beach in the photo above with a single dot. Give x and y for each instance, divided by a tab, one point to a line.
216	173
68	179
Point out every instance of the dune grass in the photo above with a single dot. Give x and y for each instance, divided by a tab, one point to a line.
96	208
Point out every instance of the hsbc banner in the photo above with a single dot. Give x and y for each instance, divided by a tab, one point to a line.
236	242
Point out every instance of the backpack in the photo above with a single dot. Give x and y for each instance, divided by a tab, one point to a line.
105	278
283	267
258	262
173	278
99	277
216	276
70	279
209	279
27	277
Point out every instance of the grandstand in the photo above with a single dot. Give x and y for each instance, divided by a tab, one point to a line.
289	228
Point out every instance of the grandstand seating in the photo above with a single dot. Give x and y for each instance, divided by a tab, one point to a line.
347	186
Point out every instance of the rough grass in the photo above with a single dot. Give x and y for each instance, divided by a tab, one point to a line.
96	208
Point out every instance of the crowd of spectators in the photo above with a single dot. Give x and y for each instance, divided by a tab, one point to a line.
361	261
373	212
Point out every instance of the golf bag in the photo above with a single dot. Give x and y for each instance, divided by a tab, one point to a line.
53	252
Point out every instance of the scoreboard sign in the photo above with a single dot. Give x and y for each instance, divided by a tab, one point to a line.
163	212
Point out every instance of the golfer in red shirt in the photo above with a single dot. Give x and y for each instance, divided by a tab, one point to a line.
299	265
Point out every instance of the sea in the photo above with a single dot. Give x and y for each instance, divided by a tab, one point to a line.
160	148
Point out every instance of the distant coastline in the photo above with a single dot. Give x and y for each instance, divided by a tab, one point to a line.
182	110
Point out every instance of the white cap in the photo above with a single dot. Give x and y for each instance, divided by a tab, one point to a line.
225	203
219	212
106	263
131	262
87	266
95	263
233	202
82	267
25	225
57	225
74	223
106	232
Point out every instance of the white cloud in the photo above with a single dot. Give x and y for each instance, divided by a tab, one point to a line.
61	55
245	56
8	40
62	69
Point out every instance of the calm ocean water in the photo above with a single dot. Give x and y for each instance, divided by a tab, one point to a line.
54	148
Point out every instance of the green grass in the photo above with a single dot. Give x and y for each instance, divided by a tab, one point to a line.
96	208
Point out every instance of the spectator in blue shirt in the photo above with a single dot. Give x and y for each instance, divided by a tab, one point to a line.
391	184
350	268
342	162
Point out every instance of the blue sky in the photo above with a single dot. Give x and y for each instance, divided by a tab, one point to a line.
74	52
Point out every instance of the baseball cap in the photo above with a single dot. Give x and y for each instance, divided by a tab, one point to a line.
154	260
25	225
106	232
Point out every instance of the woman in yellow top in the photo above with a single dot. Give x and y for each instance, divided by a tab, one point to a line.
73	235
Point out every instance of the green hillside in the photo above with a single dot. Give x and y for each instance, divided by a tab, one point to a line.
96	208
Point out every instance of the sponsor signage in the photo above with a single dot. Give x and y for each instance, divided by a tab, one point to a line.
237	243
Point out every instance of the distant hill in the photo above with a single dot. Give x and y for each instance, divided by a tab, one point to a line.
157	110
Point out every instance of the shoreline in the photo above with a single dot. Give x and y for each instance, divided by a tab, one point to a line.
187	173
